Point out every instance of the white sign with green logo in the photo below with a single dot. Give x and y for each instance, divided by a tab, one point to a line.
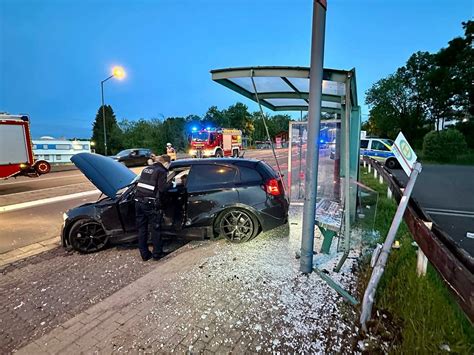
404	153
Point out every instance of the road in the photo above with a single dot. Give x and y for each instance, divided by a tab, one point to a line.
49	197
446	193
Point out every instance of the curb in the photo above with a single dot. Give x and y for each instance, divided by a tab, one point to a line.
28	250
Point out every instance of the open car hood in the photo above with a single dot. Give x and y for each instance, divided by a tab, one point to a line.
108	175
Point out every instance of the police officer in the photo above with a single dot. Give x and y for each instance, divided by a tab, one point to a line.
148	197
171	151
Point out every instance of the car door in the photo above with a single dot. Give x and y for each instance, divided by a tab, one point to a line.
210	189
126	207
379	150
174	199
364	146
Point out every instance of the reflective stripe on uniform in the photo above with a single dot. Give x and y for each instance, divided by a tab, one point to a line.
146	186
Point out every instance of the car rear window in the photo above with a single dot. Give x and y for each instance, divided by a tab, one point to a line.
207	175
249	175
267	171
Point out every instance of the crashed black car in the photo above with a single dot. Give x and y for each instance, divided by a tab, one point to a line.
233	198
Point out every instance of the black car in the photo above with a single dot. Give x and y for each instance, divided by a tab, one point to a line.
233	198
133	157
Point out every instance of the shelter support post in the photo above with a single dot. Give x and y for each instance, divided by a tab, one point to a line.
347	176
333	284
314	120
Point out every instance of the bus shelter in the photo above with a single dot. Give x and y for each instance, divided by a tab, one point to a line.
287	89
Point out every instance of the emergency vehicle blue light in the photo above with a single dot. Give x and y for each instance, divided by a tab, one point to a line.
321	141
209	128
194	129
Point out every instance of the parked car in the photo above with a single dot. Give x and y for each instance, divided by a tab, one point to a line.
133	157
232	198
380	149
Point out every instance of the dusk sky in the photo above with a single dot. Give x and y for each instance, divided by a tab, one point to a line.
54	53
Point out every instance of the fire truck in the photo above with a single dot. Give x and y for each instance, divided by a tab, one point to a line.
224	142
16	150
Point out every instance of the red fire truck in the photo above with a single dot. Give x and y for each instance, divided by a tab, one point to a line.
16	150
224	142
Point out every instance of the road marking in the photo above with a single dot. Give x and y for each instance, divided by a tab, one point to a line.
45	201
444	212
38	190
40	180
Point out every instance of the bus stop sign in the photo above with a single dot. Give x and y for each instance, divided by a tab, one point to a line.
404	153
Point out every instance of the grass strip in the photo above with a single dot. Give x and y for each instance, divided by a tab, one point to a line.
429	318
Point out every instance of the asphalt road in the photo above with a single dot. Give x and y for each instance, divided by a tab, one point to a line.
25	226
446	193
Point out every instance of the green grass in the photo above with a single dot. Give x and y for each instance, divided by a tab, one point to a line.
423	306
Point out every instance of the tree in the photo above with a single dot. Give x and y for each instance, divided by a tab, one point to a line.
238	116
173	131
215	117
113	131
426	91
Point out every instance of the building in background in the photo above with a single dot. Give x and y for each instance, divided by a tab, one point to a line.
59	151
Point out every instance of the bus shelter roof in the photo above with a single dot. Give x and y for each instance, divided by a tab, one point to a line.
282	88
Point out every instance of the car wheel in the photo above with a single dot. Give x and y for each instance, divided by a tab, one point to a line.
237	225
42	167
87	236
391	163
219	154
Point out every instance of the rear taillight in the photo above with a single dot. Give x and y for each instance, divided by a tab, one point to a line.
272	187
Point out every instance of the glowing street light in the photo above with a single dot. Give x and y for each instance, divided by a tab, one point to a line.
119	73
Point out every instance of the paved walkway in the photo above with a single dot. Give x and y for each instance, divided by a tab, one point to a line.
217	297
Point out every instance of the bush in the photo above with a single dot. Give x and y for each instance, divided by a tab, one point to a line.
444	146
467	128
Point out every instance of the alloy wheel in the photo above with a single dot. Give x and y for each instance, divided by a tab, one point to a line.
88	237
237	226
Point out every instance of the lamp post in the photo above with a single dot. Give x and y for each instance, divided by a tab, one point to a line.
118	73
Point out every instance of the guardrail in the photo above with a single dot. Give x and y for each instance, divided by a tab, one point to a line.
454	264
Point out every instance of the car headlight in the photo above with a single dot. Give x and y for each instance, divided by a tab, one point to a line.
192	152
65	216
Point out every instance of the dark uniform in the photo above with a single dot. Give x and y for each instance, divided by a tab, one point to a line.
148	211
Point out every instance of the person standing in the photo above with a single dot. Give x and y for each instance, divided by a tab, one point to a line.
148	206
170	151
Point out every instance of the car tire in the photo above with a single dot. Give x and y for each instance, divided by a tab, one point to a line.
219	154
391	163
236	225
87	236
42	167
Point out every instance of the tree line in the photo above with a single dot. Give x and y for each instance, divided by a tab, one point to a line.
430	89
154	133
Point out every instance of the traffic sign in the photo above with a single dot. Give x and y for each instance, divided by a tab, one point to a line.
404	153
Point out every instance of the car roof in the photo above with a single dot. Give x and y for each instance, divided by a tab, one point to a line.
221	161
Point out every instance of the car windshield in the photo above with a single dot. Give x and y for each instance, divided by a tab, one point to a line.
200	136
124	153
388	141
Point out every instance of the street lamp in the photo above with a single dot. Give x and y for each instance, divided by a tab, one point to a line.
119	73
